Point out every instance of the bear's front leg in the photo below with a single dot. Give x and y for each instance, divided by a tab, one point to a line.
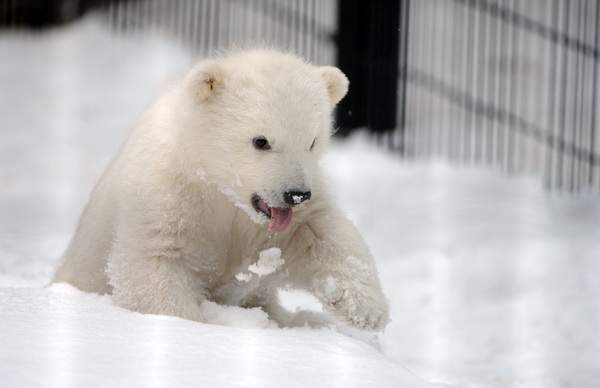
340	271
148	275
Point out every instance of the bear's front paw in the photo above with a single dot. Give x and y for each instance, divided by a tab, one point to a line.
359	305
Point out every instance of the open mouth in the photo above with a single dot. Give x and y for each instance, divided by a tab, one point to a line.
279	217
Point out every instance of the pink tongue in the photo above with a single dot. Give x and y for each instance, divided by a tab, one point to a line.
280	219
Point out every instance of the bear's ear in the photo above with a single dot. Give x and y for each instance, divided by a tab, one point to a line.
207	78
336	83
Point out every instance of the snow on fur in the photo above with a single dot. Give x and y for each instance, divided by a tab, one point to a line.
269	260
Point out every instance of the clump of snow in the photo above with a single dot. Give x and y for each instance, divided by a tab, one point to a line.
298	300
235	316
243	277
297	199
269	260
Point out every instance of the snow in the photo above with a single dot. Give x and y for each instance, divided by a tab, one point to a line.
269	260
492	281
235	316
62	337
243	276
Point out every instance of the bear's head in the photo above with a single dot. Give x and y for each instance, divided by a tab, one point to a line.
256	124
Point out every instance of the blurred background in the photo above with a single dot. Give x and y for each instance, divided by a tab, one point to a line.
467	154
507	84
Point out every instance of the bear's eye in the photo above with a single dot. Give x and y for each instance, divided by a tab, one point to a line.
261	143
313	144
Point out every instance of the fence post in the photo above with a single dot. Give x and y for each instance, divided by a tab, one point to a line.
368	52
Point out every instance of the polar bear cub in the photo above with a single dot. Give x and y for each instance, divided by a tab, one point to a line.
221	170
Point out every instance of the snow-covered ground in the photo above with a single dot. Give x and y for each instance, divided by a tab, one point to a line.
492	281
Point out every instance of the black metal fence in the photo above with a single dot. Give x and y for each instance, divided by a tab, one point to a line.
302	26
512	84
306	27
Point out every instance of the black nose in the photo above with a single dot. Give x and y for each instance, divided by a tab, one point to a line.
296	197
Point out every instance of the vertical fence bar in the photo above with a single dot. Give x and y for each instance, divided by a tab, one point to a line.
466	37
473	20
484	122
525	150
417	125
403	63
503	93
512	156
580	96
550	148
564	101
479	89
437	63
454	49
196	10
411	63
429	69
493	94
594	107
585	99
312	31
508	138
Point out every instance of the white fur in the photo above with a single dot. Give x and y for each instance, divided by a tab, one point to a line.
170	223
